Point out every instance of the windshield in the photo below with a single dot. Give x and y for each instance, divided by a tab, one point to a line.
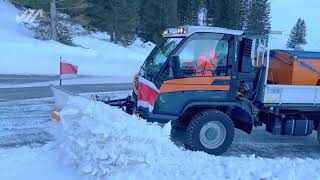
158	57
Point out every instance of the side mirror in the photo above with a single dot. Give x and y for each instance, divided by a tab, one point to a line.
175	65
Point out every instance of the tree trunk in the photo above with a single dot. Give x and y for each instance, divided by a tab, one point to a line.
53	14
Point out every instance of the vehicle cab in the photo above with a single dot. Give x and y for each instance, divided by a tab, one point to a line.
192	64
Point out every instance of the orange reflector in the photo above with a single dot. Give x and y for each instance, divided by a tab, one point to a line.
55	116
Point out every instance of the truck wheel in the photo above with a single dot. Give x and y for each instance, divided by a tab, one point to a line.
319	134
177	135
210	131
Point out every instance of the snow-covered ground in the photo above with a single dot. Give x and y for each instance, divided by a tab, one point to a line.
97	139
22	54
34	164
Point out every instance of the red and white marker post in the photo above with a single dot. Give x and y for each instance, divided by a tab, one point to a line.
67	70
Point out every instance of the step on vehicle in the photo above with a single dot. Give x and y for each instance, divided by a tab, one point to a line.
207	81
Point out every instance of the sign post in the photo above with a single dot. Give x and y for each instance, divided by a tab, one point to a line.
60	72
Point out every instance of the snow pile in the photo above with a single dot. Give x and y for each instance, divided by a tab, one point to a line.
103	142
95	54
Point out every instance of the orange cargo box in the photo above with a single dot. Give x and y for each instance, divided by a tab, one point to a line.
294	67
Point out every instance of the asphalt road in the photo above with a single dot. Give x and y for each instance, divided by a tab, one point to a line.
11	94
18	79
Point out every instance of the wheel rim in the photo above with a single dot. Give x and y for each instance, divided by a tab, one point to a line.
213	134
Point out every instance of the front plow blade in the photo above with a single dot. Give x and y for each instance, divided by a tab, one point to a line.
60	100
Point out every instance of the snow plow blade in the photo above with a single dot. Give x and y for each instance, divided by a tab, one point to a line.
61	98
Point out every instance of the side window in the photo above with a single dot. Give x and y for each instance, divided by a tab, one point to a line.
204	57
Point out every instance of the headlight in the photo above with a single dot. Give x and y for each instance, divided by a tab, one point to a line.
182	30
165	33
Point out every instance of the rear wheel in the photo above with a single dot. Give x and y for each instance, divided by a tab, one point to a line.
210	131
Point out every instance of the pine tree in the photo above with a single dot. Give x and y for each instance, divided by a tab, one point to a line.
211	8
117	17
42	26
188	11
76	10
223	13
298	35
155	17
244	12
33	4
229	14
259	17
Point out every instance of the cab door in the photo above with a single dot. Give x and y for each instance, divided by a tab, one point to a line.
202	73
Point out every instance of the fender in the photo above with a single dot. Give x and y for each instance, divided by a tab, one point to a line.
239	111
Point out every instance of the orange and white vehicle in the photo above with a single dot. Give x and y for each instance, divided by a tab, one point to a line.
207	81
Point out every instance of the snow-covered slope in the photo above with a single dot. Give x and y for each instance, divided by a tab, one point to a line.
103	142
20	53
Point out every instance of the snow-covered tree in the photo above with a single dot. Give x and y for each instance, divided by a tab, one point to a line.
298	35
42	28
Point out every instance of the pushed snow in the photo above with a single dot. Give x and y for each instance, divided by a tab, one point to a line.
103	142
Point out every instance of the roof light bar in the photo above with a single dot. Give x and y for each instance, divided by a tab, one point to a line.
182	30
166	32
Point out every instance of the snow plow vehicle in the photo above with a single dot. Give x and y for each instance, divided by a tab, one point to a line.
207	81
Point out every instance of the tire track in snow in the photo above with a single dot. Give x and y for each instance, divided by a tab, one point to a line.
264	144
25	122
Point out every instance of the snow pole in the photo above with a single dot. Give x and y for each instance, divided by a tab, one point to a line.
60	71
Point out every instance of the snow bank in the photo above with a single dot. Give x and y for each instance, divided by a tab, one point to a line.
103	142
22	54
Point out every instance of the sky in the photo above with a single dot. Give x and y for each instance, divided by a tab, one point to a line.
285	14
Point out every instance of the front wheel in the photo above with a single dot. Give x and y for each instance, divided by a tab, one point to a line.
210	131
318	134
177	135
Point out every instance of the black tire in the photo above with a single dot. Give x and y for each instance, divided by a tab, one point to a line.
204	120
178	135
